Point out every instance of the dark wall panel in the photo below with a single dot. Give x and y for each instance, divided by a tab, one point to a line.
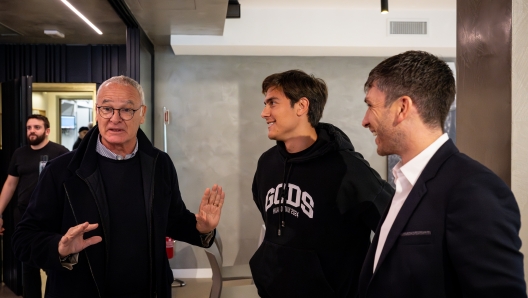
78	64
62	63
97	63
107	61
133	42
121	52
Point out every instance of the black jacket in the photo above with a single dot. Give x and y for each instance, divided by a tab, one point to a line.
456	235
70	191
333	200
77	143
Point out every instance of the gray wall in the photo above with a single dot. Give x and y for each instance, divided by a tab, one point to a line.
216	134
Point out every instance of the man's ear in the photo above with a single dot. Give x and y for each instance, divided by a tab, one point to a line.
48	130
302	106
143	113
404	107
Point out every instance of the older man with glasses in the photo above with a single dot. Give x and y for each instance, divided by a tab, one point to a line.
98	218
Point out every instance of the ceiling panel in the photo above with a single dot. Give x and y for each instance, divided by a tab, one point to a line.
31	17
203	17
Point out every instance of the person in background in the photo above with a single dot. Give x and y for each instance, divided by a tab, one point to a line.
82	132
99	216
319	198
452	229
23	174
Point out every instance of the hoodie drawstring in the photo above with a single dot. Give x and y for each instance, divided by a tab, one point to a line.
286	178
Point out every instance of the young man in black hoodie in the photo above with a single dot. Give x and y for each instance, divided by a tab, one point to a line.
319	198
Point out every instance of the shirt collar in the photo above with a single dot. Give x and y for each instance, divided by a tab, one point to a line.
102	150
413	168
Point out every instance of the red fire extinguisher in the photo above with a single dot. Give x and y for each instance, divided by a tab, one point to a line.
169	247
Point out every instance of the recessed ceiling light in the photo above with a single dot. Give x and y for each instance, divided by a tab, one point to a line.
54	33
82	16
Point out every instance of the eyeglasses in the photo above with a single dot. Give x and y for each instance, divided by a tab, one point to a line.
124	113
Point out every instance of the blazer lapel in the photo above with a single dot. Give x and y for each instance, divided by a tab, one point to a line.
415	196
366	271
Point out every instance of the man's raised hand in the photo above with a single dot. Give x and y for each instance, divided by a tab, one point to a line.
73	241
208	215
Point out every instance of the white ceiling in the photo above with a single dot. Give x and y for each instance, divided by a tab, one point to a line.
327	28
162	18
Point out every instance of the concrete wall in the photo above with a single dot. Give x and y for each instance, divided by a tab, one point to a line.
216	134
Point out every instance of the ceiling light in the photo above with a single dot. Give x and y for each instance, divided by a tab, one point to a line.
54	33
384	6
83	17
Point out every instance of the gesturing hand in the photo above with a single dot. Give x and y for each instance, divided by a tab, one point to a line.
73	241
208	215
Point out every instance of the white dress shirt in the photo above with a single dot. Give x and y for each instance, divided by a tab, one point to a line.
405	176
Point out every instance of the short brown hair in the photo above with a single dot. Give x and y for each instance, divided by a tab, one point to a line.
426	79
296	84
40	117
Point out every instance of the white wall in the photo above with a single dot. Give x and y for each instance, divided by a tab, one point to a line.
520	115
216	134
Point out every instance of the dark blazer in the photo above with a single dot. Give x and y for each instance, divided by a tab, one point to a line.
456	235
70	191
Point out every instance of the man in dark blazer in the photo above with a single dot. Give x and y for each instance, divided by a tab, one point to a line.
98	218
452	229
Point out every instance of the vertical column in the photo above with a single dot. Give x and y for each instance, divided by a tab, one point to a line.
520	116
484	83
492	77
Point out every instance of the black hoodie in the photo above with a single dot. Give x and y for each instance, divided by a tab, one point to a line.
316	239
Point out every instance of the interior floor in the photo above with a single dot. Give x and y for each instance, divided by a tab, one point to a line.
194	288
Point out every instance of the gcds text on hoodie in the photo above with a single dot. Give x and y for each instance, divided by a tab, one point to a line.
319	207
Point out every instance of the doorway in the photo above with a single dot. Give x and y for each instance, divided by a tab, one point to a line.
68	107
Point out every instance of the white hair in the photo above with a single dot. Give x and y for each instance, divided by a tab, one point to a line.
126	81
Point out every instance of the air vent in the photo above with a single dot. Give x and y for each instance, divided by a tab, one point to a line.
411	28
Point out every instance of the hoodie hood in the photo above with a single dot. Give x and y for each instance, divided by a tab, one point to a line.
329	138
